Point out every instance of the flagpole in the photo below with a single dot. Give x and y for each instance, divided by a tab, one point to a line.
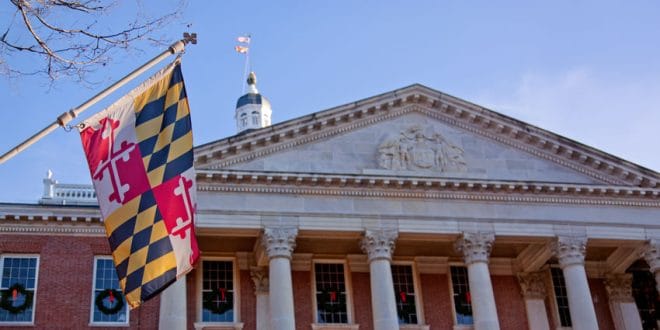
66	117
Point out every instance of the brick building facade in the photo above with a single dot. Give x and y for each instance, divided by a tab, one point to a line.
408	210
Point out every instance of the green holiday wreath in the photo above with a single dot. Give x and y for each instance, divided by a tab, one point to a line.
403	305
328	300
9	296
115	298
218	301
464	303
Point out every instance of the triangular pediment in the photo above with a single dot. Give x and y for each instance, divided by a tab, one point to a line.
419	132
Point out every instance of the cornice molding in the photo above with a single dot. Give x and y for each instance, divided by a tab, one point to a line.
424	187
451	110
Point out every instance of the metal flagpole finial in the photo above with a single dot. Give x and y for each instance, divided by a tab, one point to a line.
190	38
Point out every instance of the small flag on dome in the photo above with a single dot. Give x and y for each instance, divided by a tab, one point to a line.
242	49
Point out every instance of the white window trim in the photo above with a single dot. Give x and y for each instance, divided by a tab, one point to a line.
418	294
451	297
553	298
93	323
36	285
236	324
349	297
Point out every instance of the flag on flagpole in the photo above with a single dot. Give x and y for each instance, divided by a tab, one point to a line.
241	49
244	39
139	152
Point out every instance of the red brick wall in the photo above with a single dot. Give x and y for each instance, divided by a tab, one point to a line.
362	300
510	303
64	288
302	299
437	301
601	304
248	302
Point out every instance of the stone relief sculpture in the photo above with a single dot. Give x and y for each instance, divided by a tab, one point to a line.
420	149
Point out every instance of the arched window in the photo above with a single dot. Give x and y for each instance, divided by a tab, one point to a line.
244	119
255	118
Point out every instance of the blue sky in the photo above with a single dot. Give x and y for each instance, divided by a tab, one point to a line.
587	70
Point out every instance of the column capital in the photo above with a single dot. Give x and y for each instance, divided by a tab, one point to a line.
259	276
651	254
570	250
279	242
619	288
475	246
379	244
532	285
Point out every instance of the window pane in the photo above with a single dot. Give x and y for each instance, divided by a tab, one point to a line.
462	297
218	291
108	293
330	293
16	277
404	293
561	296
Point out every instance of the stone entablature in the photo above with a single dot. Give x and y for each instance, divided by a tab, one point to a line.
450	110
424	187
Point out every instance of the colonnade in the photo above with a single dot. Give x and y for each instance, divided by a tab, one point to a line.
275	305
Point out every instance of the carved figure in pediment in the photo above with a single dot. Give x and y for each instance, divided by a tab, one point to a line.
420	149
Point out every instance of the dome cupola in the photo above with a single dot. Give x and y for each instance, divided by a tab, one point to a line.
252	109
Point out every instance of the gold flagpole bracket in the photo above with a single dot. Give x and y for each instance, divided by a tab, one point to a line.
66	117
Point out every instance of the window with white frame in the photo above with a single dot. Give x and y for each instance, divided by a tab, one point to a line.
255	118
108	302
244	120
561	297
331	295
404	293
218	293
18	288
462	298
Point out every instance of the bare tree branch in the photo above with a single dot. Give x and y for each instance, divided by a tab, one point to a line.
71	45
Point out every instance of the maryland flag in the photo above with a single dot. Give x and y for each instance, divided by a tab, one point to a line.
140	156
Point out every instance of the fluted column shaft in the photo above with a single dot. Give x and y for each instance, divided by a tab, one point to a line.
279	244
379	246
533	290
622	305
476	249
570	252
172	314
260	279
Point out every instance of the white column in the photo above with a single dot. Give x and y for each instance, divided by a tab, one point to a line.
279	244
379	246
533	291
260	278
651	254
476	247
173	312
622	305
570	251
